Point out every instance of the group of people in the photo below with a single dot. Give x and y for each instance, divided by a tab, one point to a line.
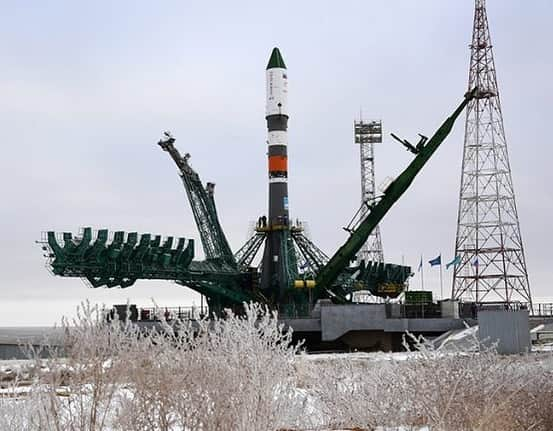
262	221
283	220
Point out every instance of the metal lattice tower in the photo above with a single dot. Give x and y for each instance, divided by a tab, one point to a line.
492	266
366	135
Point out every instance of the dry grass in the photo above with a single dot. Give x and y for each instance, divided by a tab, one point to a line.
242	373
458	391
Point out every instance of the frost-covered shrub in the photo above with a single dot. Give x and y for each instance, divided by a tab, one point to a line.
231	374
79	391
234	373
475	390
242	373
351	393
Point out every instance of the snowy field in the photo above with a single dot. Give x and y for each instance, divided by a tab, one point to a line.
243	374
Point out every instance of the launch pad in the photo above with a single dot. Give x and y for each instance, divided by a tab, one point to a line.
294	274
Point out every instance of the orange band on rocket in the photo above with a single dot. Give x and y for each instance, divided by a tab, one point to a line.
278	164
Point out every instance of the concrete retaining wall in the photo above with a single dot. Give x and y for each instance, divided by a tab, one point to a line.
510	329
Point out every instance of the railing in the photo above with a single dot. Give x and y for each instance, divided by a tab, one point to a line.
173	313
542	309
294	311
299	311
420	311
153	314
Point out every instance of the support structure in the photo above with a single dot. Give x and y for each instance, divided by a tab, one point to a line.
489	251
366	135
294	273
201	199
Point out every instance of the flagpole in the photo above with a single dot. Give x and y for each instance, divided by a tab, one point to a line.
441	279
422	275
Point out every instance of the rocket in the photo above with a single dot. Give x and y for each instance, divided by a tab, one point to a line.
276	114
275	256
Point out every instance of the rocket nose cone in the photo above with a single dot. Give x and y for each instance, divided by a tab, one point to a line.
276	60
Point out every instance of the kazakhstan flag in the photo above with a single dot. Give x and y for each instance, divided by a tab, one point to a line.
436	261
454	262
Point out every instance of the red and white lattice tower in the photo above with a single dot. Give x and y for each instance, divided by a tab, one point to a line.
491	265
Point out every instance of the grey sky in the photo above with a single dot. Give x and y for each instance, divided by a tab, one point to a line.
87	87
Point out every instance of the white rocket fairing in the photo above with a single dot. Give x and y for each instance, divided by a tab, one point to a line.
277	87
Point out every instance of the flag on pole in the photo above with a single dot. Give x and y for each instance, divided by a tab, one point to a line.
436	261
456	261
475	262
420	265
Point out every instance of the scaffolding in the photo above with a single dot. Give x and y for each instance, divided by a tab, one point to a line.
366	134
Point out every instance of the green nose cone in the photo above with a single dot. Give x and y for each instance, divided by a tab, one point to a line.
276	60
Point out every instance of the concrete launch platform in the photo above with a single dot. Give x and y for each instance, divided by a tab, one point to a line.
329	327
366	327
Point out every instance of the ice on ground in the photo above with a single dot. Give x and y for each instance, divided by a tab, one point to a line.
457	340
547	347
537	328
358	356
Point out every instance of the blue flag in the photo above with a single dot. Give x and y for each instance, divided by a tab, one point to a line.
456	261
420	265
436	261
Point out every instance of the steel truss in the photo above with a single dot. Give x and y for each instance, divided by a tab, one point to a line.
306	259
492	266
366	135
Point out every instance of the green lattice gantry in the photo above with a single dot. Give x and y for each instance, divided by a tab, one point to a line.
120	261
227	279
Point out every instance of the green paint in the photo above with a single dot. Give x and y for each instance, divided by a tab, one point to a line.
345	254
276	60
226	279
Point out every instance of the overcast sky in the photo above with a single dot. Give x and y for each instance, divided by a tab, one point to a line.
87	87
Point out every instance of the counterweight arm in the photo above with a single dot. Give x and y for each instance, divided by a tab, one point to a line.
345	254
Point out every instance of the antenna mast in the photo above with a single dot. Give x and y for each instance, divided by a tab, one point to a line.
489	245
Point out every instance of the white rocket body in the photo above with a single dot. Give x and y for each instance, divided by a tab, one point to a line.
277	91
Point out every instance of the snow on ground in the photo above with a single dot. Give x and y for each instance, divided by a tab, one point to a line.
23	366
14	364
543	355
358	356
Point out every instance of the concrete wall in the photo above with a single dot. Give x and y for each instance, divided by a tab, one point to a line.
450	308
510	329
336	320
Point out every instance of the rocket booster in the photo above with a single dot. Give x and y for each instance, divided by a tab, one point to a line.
275	274
276	114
